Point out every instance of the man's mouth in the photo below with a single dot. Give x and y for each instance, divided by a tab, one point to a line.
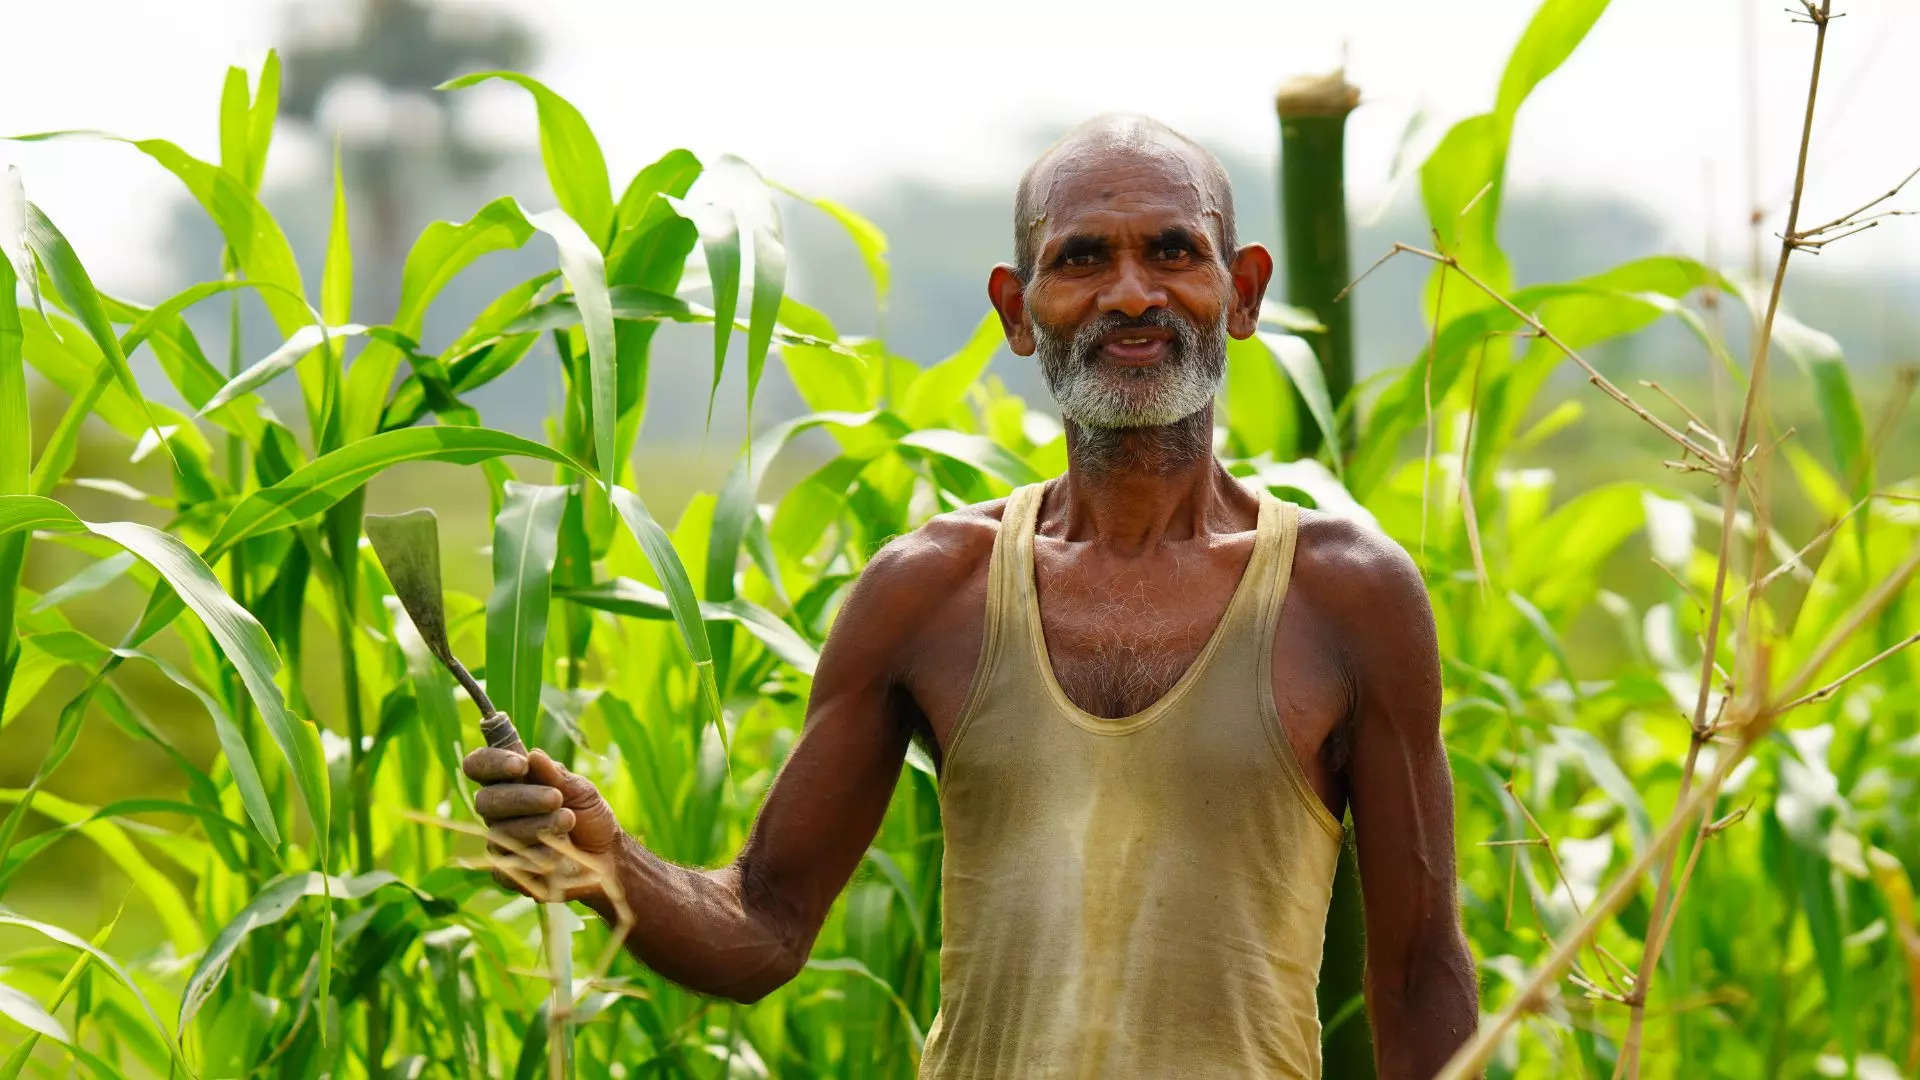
1135	349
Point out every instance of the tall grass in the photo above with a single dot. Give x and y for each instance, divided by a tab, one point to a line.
309	900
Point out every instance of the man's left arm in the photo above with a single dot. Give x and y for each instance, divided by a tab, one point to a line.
1420	988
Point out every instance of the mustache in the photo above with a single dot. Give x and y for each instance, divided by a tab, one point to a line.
1087	339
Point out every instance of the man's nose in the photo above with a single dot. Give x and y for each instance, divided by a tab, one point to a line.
1132	290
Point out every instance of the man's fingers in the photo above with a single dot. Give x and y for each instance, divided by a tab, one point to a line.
578	790
505	800
491	765
531	830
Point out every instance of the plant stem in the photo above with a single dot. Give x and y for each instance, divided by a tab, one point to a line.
1665	895
343	544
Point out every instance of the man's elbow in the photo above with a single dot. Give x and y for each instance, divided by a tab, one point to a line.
1434	985
778	970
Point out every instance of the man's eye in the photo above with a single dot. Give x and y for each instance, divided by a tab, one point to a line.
1174	251
1083	258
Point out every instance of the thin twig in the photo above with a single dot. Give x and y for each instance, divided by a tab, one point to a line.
1833	687
1799	556
1573	899
1593	374
1426	384
1855	214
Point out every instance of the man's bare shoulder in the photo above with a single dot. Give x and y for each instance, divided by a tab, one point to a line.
915	576
941	554
1358	577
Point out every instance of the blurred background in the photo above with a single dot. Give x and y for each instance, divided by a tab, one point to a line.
1669	131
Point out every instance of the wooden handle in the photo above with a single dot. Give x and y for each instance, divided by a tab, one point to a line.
499	732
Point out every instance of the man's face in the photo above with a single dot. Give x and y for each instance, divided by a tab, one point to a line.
1129	303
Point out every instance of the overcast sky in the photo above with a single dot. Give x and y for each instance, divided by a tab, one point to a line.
847	95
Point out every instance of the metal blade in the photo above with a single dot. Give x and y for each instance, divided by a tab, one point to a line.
408	546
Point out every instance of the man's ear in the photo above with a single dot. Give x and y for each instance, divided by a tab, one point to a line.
1252	268
1008	295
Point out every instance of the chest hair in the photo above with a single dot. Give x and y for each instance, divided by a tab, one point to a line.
1117	650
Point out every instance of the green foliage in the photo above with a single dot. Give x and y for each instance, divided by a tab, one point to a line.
1568	660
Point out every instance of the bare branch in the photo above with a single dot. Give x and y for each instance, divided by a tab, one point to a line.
1833	687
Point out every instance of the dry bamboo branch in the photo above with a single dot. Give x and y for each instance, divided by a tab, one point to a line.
1472	1058
1666	895
1593	374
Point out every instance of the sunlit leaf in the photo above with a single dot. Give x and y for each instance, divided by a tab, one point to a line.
575	168
525	537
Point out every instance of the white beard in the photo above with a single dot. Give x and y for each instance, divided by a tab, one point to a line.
1100	396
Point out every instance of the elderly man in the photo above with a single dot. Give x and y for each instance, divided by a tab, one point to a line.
1151	690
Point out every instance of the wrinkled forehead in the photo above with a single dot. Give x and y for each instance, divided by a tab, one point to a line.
1095	188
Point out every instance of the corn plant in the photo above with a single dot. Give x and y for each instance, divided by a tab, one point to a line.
311	898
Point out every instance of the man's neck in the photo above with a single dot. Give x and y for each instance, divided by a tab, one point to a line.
1131	489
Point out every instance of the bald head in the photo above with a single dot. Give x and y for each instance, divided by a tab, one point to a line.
1114	139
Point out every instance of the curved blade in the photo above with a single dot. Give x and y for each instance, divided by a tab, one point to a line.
408	546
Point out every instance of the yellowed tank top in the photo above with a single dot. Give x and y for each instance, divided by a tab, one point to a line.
1143	896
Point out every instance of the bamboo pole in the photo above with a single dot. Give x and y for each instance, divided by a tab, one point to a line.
1313	215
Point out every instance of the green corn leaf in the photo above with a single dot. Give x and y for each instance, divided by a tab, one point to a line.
525	542
279	361
1599	764
16	439
259	246
336	280
29	1014
266	106
586	275
86	582
1253	385
240	637
66	733
443	250
71	281
720	240
320	483
235	128
1296	358
769	282
69	359
75	648
246	773
16	417
1463	178
633	303
637	599
575	167
268	908
974	451
16	1061
660	554
769	271
734	511
943	387
72	941
1819	355
175	914
13	233
866	237
849	965
1557	28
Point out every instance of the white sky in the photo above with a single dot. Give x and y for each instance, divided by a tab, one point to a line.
847	94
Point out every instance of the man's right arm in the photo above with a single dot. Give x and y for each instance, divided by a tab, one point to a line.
744	929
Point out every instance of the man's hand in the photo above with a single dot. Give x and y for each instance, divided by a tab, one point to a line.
550	833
